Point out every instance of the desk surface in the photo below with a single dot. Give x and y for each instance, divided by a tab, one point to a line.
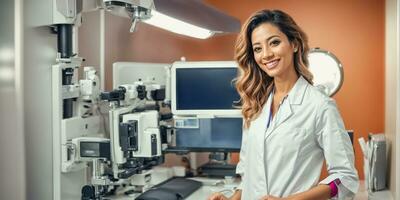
213	185
207	190
217	185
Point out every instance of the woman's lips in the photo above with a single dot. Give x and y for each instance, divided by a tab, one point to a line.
272	64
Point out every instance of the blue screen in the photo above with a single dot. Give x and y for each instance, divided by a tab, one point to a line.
217	134
205	88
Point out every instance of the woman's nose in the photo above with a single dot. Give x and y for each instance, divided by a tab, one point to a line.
267	54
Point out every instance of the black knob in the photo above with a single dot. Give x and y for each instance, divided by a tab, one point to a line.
88	192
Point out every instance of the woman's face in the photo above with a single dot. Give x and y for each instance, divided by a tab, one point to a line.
272	50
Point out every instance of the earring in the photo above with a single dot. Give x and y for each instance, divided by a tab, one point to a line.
295	50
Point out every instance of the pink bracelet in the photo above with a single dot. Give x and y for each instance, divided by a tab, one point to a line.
334	189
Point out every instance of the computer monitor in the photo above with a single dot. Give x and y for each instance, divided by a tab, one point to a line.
204	88
211	135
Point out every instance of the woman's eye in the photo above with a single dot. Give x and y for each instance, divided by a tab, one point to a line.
275	43
257	49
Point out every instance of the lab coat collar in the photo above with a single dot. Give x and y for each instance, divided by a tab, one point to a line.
296	94
295	97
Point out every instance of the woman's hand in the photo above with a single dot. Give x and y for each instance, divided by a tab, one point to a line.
217	196
269	197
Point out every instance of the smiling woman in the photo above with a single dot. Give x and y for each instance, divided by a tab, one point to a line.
272	50
290	126
259	48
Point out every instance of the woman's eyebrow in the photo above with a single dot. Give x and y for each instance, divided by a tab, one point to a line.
272	37
269	38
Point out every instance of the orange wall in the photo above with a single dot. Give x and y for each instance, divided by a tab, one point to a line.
351	29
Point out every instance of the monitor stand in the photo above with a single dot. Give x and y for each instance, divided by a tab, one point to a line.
218	166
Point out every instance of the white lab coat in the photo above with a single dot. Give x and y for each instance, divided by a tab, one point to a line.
287	157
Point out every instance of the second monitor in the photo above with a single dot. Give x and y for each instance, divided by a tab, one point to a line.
204	88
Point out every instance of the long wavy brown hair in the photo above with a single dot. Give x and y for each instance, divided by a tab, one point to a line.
252	83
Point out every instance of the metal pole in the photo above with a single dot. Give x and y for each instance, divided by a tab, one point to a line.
64	47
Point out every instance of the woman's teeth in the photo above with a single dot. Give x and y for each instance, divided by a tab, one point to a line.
272	64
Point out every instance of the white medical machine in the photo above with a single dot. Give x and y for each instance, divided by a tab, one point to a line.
90	159
128	72
206	110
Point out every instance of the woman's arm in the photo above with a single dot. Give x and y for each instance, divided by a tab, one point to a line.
219	196
320	192
333	138
237	195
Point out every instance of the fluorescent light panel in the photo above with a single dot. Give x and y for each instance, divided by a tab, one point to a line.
177	26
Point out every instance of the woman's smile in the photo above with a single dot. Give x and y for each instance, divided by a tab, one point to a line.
272	64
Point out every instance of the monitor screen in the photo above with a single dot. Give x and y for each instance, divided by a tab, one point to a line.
204	88
212	135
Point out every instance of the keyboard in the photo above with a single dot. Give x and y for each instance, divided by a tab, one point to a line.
172	189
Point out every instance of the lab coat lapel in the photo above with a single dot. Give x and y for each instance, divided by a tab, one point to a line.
284	113
295	97
260	123
257	164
